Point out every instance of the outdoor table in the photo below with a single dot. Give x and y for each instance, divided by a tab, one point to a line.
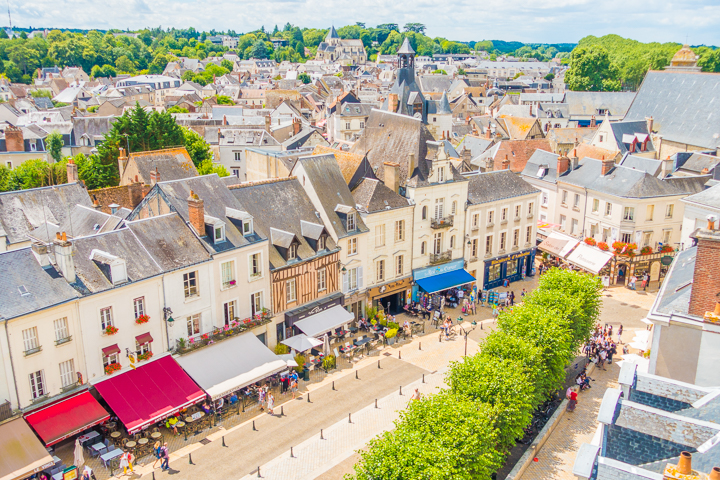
131	444
110	456
57	476
86	439
98	447
178	425
143	441
157	435
111	425
364	341
353	329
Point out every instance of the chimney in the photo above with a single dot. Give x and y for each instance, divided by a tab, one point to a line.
14	139
392	102
714	474
64	257
506	163
607	166
135	192
666	167
706	277
96	204
196	213
267	124
122	161
563	164
593	122
296	126
41	253
488	135
154	176
650	122
392	176
467	155
411	165
683	470
72	171
113	208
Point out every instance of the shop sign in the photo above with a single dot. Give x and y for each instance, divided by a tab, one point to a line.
304	312
390	288
421	273
666	260
70	473
510	257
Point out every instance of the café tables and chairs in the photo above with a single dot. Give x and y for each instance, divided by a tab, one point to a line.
143	441
109	456
131	444
86	439
98	449
57	476
156	435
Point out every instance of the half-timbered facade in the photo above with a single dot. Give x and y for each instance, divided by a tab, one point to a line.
304	258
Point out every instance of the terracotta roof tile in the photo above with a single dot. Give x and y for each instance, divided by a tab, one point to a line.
518	152
348	162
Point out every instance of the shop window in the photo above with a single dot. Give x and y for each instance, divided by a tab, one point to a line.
494	272
423	248
193	325
511	269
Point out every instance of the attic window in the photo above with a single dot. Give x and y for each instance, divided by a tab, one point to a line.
321	243
292	252
23	291
247	227
541	172
219	233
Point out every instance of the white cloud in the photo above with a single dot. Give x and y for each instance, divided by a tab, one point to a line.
548	21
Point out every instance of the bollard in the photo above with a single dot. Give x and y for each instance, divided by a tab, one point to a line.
481	326
378	364
321	435
291	453
349	418
282	410
224	441
420	346
254	429
333	384
399	355
400	389
356	376
190	459
153	475
309	398
258	471
423	378
376	403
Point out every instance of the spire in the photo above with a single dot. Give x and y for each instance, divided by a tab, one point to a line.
443	106
406	48
332	34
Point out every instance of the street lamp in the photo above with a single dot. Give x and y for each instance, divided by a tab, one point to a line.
465	334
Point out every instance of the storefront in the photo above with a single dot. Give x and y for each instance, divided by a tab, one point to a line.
21	453
354	303
512	268
441	277
589	258
391	296
301	313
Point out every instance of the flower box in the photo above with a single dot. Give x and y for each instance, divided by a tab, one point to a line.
145	356
142	319
111	330
112	368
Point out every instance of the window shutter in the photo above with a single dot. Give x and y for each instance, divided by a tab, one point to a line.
345	282
360	277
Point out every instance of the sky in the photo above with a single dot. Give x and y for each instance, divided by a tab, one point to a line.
541	21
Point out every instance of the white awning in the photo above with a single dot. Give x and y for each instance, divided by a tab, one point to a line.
325	321
558	244
301	342
231	364
589	258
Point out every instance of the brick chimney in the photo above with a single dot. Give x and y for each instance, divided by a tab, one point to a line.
72	171
683	470
392	176
64	257
714	474
393	102
135	192
267	124
488	135
506	163
593	122
650	122
122	161
706	278
296	126
14	139
607	166
563	164
154	176
196	213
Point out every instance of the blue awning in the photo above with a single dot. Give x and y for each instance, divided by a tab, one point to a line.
445	281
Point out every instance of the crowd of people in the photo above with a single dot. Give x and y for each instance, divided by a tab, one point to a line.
601	347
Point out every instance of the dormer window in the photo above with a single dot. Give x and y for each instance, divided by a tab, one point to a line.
292	252
321	243
247	227
351	222
441	174
219	233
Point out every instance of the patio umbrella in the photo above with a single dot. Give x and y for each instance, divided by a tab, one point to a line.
301	342
289	358
79	457
326	345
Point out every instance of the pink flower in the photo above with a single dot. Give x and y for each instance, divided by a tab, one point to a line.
192	340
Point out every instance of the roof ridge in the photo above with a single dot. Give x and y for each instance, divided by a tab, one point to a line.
262	182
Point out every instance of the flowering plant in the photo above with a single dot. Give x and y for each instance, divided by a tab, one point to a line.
667	249
111	330
603	246
112	368
232	282
142	319
646	250
191	340
590	241
145	356
205	336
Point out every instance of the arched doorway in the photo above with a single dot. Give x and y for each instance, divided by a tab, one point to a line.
655	271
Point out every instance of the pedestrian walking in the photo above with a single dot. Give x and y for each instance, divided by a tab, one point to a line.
619	334
646	280
261	398
611	351
602	356
157	451
270	403
572	400
126	461
415	396
165	465
512	298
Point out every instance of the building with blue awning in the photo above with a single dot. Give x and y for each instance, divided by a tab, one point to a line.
440	277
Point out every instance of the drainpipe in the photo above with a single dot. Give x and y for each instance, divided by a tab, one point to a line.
12	366
167	332
585	212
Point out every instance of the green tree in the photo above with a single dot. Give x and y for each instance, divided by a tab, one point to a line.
207	167
4	178
259	50
224	100
550	77
415	27
54	143
124	64
590	70
304	78
176	109
227	65
197	147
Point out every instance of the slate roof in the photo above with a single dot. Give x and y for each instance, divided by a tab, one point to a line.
677	286
216	200
709	197
682	104
372	196
94	127
348	162
583	105
648	165
24	210
626	182
625	129
698	161
492	186
281	204
476	145
355	109
324	174
391	137
300	139
45	286
82	221
439	107
435	83
538	158
172	164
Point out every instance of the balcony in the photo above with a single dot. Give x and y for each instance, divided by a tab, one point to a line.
441	222
236	327
32	351
63	340
438	258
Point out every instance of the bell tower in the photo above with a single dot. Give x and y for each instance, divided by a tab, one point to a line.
406	55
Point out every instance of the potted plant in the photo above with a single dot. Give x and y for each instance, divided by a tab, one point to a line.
281	349
300	360
329	363
391	336
603	246
111	330
181	344
142	319
112	368
646	250
667	249
590	241
145	356
232	283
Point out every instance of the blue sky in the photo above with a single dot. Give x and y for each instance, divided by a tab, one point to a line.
544	21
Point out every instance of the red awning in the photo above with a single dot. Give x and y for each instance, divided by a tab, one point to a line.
67	417
149	393
111	350
143	339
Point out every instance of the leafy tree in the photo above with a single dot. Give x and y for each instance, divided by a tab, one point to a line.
36	173
388	26
124	64
461	71
304	78
439	72
207	167
4	178
227	65
176	109
259	50
414	27
590	70
224	100
550	77
197	147
54	145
